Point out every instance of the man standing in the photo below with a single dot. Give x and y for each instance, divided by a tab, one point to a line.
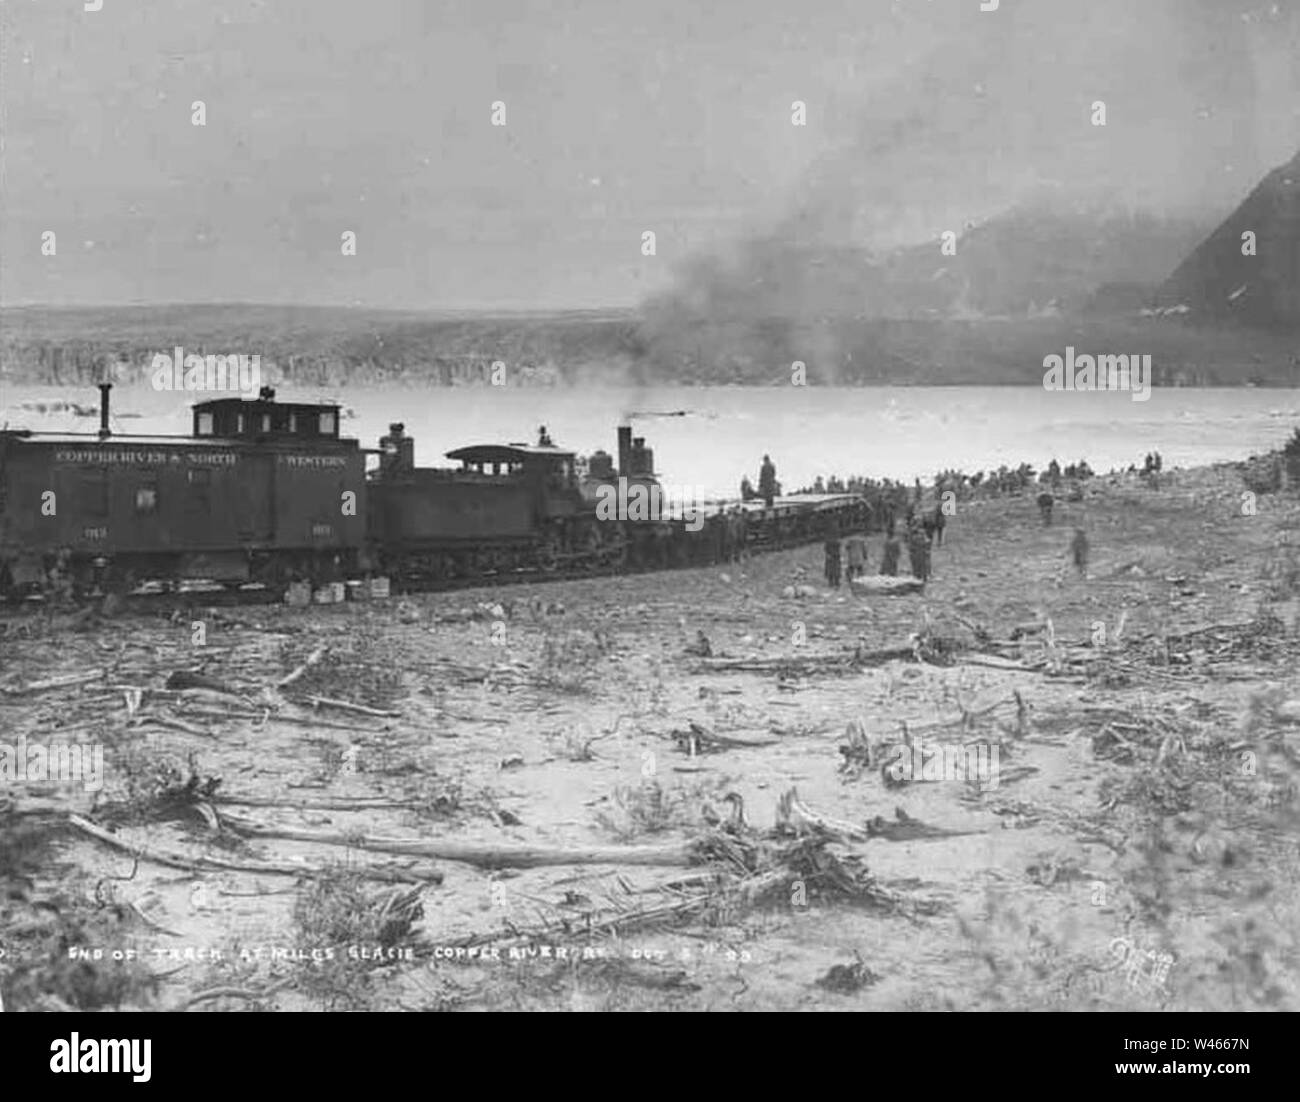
767	481
1079	552
856	548
833	559
940	522
889	560
918	549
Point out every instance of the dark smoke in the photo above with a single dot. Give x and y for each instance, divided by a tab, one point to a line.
989	135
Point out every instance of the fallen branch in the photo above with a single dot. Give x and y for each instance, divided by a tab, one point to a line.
994	662
267	716
811	663
790	810
360	803
64	681
186	680
312	659
151	923
207	861
471	853
700	739
175	724
348	706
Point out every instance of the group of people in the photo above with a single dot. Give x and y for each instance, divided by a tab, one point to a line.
921	531
887	493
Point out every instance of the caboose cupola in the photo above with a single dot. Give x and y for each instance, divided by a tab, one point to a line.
266	419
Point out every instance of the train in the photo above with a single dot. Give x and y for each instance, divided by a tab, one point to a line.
264	493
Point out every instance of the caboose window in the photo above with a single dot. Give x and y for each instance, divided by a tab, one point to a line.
266	422
293	422
239	424
146	499
327	423
205	424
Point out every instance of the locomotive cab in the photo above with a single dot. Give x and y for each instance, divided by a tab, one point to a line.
547	471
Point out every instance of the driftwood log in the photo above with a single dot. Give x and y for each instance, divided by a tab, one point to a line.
210	861
472	853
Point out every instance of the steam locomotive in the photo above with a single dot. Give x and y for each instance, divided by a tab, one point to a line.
265	493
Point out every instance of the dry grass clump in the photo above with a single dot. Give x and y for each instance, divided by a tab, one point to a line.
341	914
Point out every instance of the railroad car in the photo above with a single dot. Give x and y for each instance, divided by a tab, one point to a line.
257	493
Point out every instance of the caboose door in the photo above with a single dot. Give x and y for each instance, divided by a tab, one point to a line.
256	515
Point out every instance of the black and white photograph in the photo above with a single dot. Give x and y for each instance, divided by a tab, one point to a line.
661	506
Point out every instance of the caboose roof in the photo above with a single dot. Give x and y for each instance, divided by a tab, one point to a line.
505	453
90	439
27	436
260	405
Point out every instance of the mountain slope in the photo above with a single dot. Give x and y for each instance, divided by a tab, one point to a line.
1217	280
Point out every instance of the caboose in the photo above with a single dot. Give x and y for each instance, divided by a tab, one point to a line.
261	491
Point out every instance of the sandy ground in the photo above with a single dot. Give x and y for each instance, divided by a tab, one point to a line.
1135	849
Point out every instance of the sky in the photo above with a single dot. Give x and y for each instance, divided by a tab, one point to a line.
673	116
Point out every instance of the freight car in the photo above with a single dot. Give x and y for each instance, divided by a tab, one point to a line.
267	492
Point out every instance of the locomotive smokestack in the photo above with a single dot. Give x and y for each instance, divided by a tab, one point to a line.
625	451
104	431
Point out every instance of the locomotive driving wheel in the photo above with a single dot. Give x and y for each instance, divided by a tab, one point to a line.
614	552
590	547
548	552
